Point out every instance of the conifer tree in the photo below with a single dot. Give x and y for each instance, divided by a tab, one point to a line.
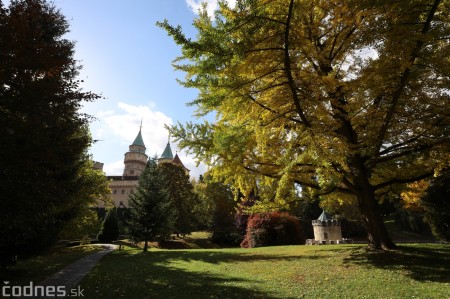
151	216
44	137
110	227
181	195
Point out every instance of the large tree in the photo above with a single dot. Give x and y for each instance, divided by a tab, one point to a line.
44	139
346	98
151	216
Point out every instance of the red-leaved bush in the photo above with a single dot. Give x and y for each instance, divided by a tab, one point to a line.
272	229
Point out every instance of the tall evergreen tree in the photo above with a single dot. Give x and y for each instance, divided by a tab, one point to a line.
44	139
181	195
151	216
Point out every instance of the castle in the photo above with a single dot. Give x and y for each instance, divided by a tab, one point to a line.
135	161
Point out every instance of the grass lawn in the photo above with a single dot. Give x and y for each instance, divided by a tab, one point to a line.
330	271
37	268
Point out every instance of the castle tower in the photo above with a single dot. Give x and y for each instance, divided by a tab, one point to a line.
135	159
167	155
327	230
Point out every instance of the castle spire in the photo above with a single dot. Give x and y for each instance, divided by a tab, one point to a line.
138	140
135	159
167	153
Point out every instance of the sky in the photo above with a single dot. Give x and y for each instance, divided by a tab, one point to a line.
127	59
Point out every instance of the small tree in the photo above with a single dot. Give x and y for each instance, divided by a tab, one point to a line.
84	226
110	227
151	215
222	210
94	187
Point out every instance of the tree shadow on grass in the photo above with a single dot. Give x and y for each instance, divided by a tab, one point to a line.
424	262
158	274
215	257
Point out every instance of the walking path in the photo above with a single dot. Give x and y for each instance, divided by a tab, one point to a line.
70	276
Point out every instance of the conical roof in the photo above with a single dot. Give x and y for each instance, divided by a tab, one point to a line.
138	140
167	153
324	217
177	161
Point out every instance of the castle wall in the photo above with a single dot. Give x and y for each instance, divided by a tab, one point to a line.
121	188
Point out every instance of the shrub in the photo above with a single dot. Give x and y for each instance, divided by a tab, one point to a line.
273	229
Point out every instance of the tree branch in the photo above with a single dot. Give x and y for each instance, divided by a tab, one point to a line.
403	181
287	66
404	78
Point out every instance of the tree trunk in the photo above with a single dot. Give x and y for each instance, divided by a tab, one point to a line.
368	205
377	234
145	246
146	243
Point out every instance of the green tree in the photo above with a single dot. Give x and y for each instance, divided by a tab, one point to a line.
218	201
44	139
93	188
84	226
110	227
205	206
181	196
151	216
436	204
346	98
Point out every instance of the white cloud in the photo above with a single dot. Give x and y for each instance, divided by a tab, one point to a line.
212	5
126	125
123	126
114	168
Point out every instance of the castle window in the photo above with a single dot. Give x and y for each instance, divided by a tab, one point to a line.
123	191
131	171
114	191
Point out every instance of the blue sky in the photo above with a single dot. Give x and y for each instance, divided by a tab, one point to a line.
127	59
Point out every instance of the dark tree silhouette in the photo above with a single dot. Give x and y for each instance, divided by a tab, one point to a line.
44	139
